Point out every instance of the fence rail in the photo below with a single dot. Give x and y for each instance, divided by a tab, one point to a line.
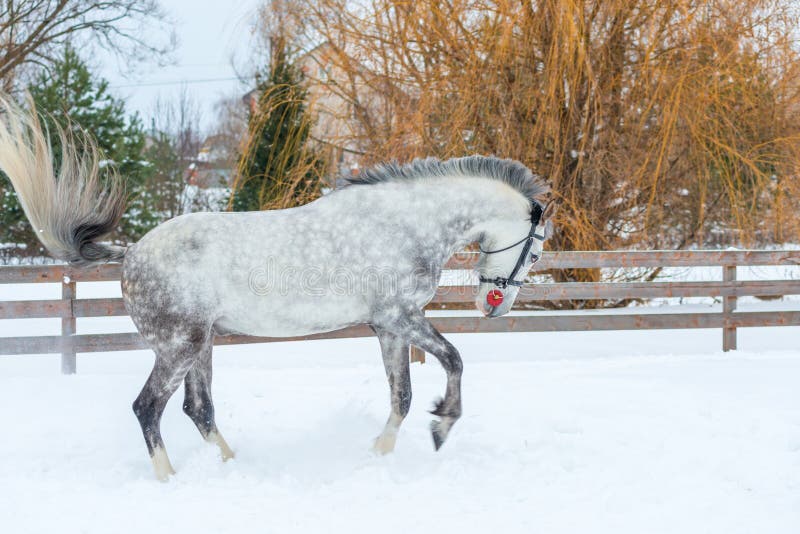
69	307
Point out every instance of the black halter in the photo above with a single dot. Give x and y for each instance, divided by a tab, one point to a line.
536	217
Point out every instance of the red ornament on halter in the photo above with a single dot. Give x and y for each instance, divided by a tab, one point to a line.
494	297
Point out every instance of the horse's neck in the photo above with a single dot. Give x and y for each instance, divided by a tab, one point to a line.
450	213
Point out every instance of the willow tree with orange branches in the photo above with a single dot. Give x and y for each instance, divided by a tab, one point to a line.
659	124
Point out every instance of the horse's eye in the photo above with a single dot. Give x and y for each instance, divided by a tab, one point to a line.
534	257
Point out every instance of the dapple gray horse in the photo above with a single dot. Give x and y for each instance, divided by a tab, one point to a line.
368	253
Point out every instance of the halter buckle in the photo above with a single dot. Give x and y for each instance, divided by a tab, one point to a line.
500	282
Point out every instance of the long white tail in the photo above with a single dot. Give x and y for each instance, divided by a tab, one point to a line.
69	209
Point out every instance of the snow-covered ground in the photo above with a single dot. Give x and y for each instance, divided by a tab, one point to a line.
577	432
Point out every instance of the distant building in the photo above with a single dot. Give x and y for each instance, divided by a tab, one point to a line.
334	128
213	166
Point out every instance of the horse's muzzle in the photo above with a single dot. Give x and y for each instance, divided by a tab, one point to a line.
490	311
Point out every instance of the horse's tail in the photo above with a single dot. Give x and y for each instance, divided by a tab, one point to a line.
70	209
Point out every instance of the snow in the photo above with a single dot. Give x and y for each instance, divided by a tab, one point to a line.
638	431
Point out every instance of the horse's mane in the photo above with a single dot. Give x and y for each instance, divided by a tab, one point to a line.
508	171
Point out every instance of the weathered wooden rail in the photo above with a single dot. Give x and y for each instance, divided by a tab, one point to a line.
69	306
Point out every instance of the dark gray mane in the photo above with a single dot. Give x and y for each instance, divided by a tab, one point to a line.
507	171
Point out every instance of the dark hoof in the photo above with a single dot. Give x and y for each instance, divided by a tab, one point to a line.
436	433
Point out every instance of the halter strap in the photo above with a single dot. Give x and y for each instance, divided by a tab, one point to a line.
536	236
501	282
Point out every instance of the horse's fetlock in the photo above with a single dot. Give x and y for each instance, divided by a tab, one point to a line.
444	409
438	407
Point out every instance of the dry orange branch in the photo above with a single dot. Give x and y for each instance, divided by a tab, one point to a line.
660	124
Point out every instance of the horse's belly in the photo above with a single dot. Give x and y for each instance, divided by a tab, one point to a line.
288	317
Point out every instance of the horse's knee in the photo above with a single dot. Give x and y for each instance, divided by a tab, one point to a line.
452	364
456	365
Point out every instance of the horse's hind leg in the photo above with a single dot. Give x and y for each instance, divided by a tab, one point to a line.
176	352
164	379
197	403
395	361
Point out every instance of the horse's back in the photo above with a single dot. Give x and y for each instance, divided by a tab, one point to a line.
214	266
322	266
176	267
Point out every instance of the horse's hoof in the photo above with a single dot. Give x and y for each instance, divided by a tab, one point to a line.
161	465
437	434
384	444
164	477
224	449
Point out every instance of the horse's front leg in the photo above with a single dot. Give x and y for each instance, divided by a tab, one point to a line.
395	361
418	331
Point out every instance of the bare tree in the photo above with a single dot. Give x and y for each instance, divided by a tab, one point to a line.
230	126
31	31
173	145
660	124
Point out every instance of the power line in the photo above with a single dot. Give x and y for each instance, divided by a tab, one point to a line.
175	82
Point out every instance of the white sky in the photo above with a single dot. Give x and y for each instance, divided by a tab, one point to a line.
210	35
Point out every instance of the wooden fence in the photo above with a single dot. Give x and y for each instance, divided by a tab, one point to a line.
69	306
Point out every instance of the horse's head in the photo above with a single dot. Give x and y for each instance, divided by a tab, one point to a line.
508	250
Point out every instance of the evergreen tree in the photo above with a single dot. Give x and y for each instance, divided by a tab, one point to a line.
14	228
278	168
70	95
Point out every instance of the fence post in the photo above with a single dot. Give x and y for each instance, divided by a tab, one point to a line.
728	307
417	354
68	360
